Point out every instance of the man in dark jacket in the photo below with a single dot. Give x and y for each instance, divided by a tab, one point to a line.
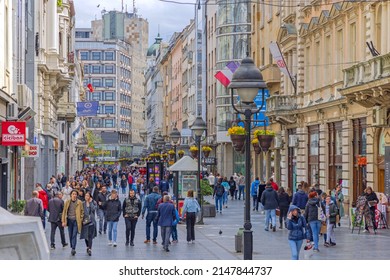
219	190
164	185
150	205
113	212
56	206
300	199
101	199
165	217
270	201
131	211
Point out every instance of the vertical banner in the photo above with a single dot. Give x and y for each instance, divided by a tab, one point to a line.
278	57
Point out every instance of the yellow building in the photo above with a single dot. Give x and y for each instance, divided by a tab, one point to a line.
334	123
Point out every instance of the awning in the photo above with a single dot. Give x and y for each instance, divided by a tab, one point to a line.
186	163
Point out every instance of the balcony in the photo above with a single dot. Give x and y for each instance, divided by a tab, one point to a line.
271	74
282	109
67	111
368	83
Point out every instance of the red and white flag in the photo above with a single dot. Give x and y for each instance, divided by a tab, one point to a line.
89	86
225	76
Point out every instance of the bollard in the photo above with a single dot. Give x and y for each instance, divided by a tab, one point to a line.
239	240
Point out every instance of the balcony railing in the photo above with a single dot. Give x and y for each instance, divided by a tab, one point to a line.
280	103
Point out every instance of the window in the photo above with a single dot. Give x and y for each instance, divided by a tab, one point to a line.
96	82
84	55
86	69
109	56
96	69
109	82
359	145
96	122
313	148
96	96
109	96
335	153
109	123
96	55
109	69
353	42
109	109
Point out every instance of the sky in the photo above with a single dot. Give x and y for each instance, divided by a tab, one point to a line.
164	16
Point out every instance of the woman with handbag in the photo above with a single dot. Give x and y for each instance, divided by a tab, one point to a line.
88	231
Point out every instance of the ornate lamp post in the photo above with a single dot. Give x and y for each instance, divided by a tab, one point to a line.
175	137
246	83
198	128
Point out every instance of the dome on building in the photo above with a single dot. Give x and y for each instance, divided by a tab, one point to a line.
152	51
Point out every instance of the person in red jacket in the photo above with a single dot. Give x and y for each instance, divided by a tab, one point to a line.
273	184
42	195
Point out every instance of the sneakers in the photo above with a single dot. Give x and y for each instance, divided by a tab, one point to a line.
154	242
166	250
73	252
326	244
109	243
273	228
147	241
131	243
332	243
316	250
52	247
193	241
366	230
89	252
65	245
114	244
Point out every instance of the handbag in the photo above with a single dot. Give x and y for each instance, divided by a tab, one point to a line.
321	215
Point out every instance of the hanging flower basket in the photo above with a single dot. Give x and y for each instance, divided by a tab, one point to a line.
256	147
171	154
238	142
206	151
180	153
265	138
164	156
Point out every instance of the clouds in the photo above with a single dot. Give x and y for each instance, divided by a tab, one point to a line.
163	16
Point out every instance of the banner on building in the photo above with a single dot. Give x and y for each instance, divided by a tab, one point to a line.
279	59
87	109
32	152
13	133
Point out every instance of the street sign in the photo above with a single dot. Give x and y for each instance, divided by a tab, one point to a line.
210	161
13	133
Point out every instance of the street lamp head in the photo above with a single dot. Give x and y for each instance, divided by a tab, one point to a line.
160	142
199	126
175	136
247	80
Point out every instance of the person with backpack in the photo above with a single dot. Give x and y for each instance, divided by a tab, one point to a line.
254	190
131	211
219	190
233	187
270	200
314	215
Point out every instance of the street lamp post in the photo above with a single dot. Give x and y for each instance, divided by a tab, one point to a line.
247	81
175	137
199	127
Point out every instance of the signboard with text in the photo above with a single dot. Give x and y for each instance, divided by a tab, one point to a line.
33	152
13	133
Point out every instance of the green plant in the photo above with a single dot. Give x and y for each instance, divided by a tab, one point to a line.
206	149
264	132
206	188
17	206
59	3
236	130
255	141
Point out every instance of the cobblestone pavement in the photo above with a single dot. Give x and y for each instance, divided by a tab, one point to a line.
210	244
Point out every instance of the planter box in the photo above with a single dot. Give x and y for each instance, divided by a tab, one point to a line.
209	210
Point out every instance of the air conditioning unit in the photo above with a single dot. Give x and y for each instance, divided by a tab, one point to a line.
379	116
24	96
293	141
12	111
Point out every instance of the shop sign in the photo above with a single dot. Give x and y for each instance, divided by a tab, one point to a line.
33	152
210	161
13	133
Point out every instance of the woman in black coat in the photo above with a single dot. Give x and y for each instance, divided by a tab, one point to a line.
233	187
284	204
372	200
88	231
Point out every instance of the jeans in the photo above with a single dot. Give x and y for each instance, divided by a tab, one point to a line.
225	197
218	201
283	215
44	219
255	203
295	246
315	229
165	234
150	218
174	233
235	193
112	231
102	217
72	228
241	190
124	190
130	229
270	214
53	233
190	222
330	233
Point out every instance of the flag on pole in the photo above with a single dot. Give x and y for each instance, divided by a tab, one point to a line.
89	86
278	57
226	75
